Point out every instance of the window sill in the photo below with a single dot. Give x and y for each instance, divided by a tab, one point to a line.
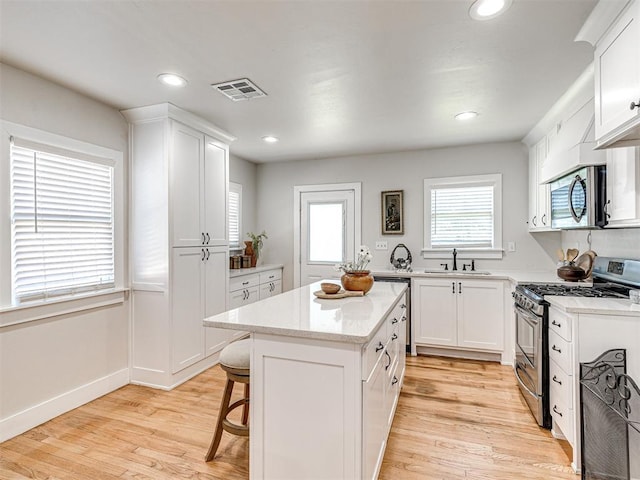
31	312
463	253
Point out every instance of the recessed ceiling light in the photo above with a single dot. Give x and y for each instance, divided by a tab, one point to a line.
270	139
466	115
172	79
488	9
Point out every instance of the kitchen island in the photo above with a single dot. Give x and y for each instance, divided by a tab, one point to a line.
325	380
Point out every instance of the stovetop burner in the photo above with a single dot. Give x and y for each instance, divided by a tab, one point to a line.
604	290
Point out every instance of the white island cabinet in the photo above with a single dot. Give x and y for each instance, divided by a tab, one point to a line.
325	380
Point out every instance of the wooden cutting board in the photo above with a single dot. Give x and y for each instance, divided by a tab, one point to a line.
340	294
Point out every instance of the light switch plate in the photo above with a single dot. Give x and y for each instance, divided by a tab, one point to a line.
511	246
382	245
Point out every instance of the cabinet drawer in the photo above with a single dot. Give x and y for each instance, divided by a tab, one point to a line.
560	323
562	417
244	281
270	276
559	351
374	350
560	384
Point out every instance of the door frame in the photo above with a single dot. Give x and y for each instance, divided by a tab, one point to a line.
298	190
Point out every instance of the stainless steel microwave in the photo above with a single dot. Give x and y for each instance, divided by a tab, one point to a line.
578	200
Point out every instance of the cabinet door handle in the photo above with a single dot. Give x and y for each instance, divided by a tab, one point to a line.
453	287
544	215
404	318
556	349
555	379
379	347
394	337
533	220
208	253
246	283
403	306
208	238
556	324
556	410
394	321
634	105
388	364
459	287
202	237
202	255
395	380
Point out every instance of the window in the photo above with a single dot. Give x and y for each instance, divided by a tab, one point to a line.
326	232
62	228
463	213
235	215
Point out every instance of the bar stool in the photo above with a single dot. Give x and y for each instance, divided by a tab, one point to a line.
234	359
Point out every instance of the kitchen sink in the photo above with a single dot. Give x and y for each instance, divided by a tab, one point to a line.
456	272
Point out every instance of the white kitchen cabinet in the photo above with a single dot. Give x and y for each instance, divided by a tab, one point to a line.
617	80
582	337
178	243
198	292
198	175
459	313
254	284
539	206
623	186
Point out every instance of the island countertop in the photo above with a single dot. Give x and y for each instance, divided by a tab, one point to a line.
299	313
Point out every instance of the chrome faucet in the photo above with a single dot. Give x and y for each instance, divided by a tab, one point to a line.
455	264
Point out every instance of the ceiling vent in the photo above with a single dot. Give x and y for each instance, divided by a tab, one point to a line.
241	89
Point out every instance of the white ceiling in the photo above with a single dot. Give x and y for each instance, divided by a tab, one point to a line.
343	77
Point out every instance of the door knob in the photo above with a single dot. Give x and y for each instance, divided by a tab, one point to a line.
634	105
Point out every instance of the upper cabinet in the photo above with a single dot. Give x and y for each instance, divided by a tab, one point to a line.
539	211
198	175
617	72
623	189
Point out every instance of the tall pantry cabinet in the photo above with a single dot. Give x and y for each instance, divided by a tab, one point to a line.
178	242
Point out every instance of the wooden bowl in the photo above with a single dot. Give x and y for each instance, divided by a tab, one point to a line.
330	288
571	273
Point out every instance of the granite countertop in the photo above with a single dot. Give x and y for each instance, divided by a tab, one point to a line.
299	313
597	306
515	276
238	272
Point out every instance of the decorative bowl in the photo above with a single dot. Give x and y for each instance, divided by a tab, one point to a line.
330	288
572	273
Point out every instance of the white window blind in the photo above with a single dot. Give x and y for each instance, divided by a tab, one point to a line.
62	222
235	210
462	217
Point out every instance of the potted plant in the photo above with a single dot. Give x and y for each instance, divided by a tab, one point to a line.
356	277
254	246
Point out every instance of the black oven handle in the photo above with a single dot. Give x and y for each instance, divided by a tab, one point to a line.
522	384
531	319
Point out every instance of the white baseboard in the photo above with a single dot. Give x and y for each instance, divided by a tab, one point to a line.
38	414
459	353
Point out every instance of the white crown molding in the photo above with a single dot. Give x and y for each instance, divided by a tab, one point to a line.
603	15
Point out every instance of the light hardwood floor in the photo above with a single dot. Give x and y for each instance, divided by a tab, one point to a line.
456	419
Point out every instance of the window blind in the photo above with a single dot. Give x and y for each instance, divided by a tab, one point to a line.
462	216
62	223
235	208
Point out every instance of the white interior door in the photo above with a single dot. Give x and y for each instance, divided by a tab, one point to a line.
329	230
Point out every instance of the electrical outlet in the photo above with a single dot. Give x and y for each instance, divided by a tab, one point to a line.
511	246
382	245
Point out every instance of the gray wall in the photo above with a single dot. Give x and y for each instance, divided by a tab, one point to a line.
244	172
404	171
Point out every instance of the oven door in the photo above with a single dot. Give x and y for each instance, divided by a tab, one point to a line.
529	361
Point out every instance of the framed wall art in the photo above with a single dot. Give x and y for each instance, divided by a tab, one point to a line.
392	212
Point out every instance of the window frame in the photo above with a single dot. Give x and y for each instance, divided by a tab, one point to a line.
82	148
236	188
496	250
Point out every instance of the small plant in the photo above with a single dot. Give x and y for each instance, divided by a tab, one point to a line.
362	260
257	241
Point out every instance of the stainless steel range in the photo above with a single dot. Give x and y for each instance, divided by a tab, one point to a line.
612	278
